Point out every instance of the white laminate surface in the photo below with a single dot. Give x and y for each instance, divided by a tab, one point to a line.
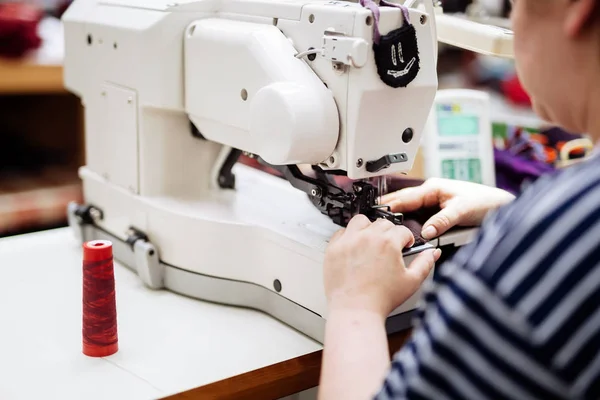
168	343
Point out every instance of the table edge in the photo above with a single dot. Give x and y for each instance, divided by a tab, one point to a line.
274	381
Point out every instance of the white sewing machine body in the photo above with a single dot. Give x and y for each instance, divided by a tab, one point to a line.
174	92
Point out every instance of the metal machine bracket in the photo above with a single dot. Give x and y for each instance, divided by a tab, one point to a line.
226	178
339	48
146	261
80	215
222	175
147	264
75	222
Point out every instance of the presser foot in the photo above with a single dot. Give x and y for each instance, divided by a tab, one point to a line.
339	205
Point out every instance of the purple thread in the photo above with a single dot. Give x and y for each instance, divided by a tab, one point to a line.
370	4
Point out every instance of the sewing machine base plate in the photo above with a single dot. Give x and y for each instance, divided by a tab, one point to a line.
227	291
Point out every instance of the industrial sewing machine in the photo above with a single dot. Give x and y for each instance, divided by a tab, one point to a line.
174	93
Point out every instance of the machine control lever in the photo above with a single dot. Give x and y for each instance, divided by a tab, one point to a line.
385	161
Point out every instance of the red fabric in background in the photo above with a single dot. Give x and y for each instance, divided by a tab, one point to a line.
18	29
514	92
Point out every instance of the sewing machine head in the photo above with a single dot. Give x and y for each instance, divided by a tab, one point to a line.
334	84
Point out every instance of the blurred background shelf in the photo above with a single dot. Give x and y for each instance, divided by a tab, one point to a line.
41	138
38	71
34	201
30	77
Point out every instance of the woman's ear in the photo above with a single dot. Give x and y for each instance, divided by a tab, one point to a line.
579	14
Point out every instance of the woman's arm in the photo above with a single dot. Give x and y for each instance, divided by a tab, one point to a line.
355	358
365	280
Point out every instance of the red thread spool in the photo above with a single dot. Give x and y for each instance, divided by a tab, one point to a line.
99	301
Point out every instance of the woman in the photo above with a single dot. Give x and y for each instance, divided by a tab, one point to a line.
515	314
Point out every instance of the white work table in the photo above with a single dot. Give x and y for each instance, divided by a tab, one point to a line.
168	343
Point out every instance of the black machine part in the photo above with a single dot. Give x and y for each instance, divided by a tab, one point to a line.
335	202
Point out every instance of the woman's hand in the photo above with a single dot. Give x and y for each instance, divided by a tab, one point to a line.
462	203
364	268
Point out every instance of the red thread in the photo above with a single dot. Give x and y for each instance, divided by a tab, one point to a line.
99	330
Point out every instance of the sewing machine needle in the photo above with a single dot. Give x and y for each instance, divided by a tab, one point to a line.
381	187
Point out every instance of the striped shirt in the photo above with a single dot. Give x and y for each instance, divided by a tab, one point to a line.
516	313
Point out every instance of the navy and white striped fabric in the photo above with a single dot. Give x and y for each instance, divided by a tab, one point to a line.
515	314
